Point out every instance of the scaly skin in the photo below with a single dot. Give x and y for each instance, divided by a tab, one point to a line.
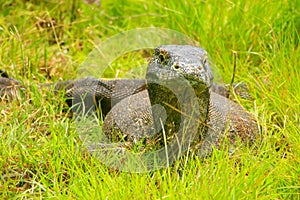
127	103
169	69
218	116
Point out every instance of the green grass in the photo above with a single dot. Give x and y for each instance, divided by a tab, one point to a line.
41	155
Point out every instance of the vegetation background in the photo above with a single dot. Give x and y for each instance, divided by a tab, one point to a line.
45	41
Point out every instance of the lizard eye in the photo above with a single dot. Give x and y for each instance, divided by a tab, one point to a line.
161	58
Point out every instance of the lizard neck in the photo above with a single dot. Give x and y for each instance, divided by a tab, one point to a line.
178	99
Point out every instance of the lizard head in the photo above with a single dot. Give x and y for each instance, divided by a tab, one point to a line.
180	61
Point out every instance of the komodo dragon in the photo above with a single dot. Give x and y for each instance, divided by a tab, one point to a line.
127	103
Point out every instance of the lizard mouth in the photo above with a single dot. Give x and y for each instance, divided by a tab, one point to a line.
196	81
